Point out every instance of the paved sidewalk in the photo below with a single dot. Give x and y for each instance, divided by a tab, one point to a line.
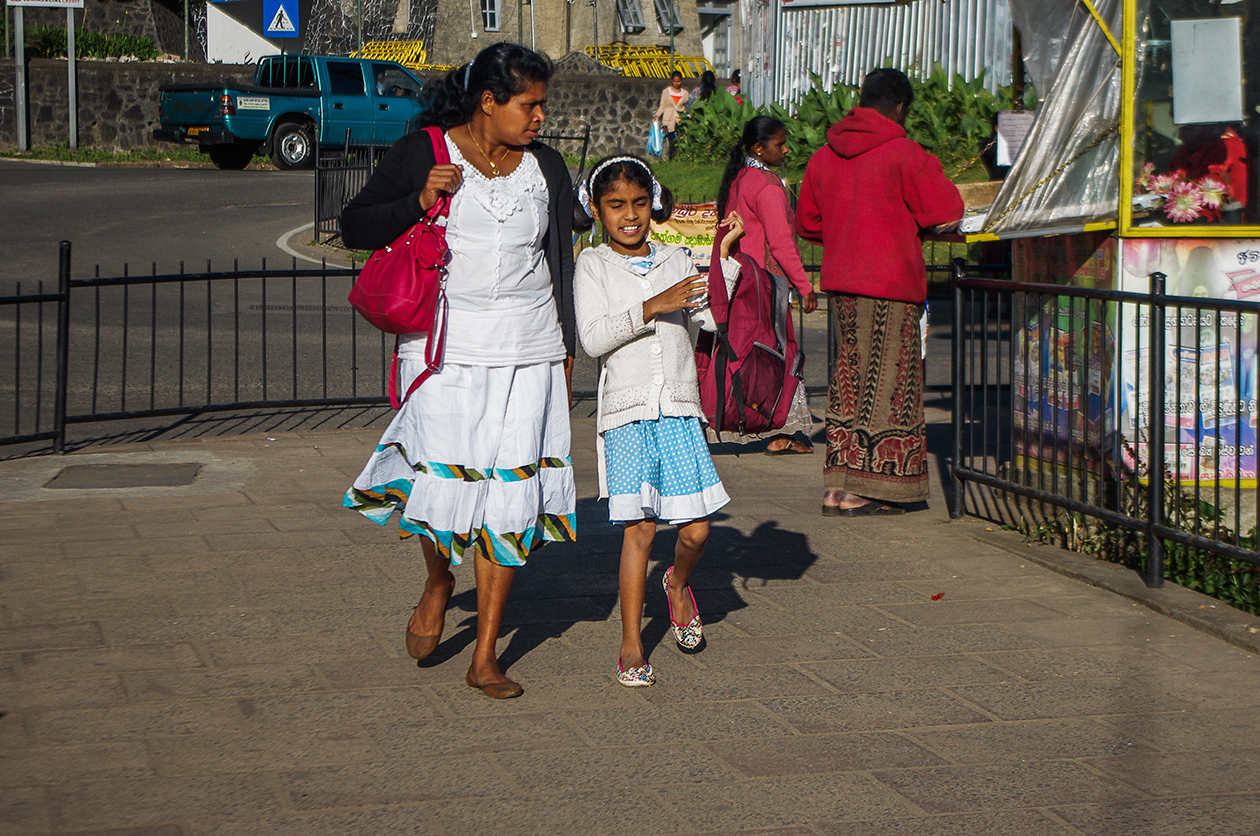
227	658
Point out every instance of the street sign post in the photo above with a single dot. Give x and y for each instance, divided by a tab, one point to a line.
19	37
280	18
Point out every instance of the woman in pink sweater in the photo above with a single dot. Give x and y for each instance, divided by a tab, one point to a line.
751	187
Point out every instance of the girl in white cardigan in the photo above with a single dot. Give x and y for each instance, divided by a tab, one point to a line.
630	296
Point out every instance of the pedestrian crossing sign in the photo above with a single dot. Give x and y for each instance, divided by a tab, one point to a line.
280	18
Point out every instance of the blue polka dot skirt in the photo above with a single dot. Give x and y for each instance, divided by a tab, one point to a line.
661	469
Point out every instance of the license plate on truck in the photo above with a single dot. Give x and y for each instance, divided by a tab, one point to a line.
195	131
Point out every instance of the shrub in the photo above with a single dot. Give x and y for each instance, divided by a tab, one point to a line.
951	118
50	42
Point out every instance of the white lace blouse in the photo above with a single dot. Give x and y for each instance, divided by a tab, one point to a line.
502	311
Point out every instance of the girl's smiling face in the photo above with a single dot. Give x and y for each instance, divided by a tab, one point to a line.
625	210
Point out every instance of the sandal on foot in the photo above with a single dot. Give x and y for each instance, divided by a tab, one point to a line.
636	677
418	646
794	448
871	508
505	690
687	635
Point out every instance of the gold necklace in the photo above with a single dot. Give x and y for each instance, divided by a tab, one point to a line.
494	169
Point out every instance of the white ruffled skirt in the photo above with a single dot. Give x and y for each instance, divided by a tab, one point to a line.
478	457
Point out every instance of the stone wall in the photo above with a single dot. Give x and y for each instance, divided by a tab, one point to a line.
118	103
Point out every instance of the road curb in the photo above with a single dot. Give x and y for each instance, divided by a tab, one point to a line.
1193	609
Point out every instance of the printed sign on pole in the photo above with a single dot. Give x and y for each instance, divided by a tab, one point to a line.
56	4
280	18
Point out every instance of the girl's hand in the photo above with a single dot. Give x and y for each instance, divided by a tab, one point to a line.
691	292
735	224
442	179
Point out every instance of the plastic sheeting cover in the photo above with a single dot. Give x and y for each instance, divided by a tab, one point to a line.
1067	173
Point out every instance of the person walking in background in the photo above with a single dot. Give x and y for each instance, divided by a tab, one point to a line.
706	88
866	197
477	459
751	188
654	463
673	105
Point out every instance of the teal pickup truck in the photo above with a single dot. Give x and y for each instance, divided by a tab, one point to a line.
297	104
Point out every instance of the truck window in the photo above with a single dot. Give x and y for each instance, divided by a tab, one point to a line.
291	72
345	78
392	80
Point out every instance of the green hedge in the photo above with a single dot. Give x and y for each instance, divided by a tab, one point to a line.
50	42
951	117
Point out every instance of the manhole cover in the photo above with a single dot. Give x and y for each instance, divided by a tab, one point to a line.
125	475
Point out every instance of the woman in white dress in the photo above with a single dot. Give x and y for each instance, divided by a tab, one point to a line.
477	460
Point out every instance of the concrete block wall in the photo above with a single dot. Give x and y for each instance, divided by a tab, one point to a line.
118	103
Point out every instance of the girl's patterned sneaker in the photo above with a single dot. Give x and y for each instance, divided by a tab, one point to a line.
690	634
638	677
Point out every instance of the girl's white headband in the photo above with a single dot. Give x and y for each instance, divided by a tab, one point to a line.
584	190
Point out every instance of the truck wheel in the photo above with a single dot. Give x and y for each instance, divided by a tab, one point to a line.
292	146
231	157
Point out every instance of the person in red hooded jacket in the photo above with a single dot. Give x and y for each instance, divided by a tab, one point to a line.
866	197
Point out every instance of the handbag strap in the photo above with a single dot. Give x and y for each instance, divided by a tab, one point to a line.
435	344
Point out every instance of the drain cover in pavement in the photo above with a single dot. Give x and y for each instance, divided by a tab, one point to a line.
125	475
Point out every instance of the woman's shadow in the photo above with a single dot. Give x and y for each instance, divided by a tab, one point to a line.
569	583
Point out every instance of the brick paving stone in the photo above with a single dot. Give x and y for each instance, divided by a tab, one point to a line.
235	666
983	788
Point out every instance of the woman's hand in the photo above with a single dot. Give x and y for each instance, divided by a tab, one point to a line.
809	302
735	224
442	179
691	292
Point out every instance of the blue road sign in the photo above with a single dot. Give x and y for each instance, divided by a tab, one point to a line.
280	18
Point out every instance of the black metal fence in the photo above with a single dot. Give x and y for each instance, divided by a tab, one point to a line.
1068	397
339	175
121	347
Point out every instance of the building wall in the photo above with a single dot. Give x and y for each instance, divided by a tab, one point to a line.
842	43
558	28
118	103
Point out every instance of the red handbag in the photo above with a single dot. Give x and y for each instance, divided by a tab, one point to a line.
402	288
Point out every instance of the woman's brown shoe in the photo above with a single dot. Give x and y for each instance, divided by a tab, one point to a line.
505	690
418	646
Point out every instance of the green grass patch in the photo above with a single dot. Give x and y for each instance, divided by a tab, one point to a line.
62	152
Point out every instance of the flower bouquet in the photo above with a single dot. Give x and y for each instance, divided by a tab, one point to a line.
1186	199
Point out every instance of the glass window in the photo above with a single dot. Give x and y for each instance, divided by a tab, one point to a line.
393	80
629	16
667	10
345	78
490	15
1195	135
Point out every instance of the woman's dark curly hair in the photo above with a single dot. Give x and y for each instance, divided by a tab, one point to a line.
635	171
505	69
759	130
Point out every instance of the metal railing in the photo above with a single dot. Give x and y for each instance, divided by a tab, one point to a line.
1063	397
339	175
126	347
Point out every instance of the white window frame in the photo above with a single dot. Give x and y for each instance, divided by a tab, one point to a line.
665	9
630	17
490	15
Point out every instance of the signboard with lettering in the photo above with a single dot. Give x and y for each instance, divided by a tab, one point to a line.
53	4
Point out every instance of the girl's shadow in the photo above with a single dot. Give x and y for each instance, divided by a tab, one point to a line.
565	584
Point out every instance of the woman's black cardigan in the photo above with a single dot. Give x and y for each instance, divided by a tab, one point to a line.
389	205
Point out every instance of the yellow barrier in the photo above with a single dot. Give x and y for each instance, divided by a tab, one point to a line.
647	61
411	54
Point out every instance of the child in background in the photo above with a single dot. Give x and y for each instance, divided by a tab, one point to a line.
654	463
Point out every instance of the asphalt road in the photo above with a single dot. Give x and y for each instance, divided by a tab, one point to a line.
142	216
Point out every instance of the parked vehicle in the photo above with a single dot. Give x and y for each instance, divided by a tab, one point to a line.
297	104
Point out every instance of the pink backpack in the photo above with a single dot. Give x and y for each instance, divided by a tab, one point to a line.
752	365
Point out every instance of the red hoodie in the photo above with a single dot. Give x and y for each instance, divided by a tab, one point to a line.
867	194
